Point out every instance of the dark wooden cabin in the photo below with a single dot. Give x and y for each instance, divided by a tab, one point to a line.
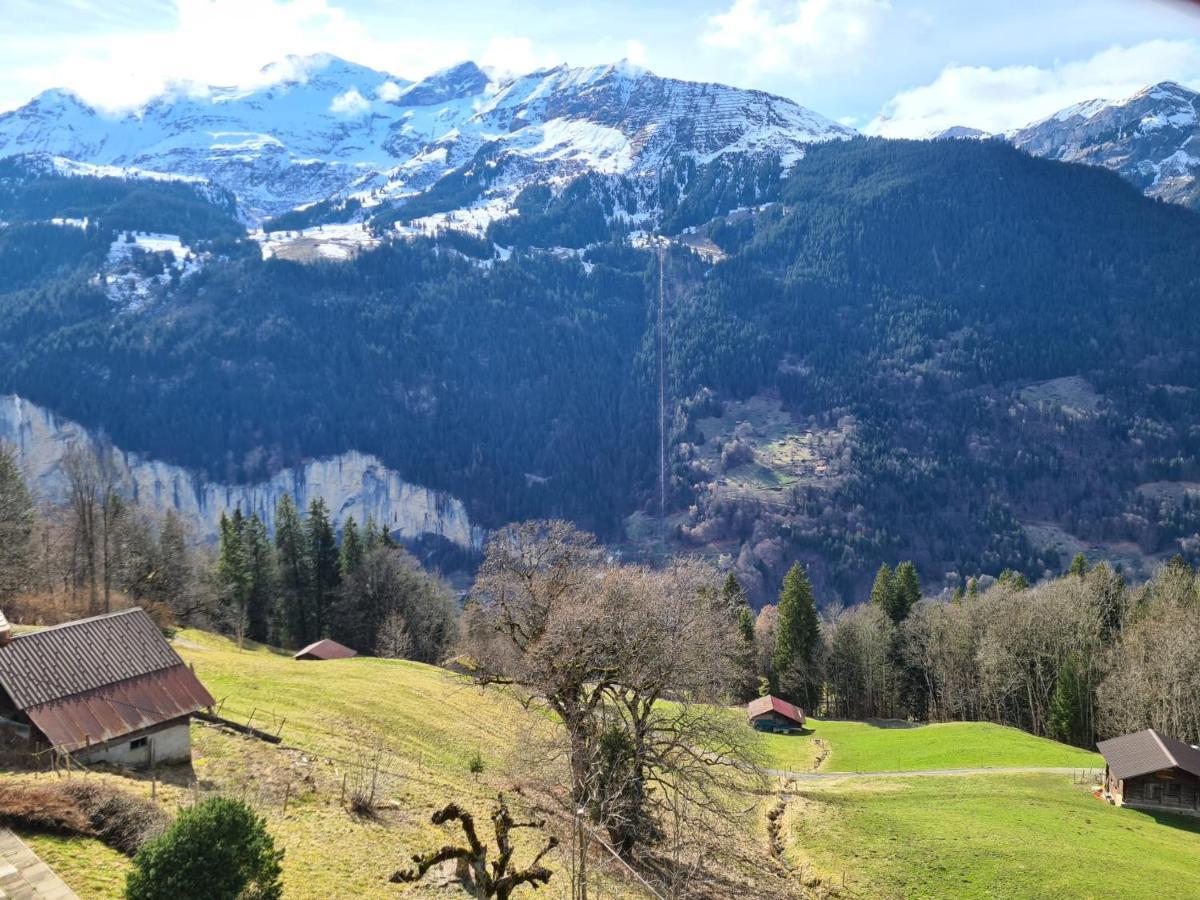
325	649
772	714
1148	770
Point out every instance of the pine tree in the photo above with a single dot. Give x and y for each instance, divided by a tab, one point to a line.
173	573
796	637
884	588
233	570
352	551
906	593
16	524
260	562
745	655
1013	579
1079	566
325	575
733	597
1068	705
295	623
370	537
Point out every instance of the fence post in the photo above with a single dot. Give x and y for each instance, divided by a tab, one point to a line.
286	796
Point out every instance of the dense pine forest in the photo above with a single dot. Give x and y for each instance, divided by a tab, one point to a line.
903	294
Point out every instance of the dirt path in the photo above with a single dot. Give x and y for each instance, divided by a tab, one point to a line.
920	773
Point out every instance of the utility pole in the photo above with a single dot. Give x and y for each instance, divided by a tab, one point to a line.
662	383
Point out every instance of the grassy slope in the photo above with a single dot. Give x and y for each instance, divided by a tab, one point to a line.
862	747
989	836
89	868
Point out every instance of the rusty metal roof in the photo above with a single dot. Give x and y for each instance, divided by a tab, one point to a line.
106	713
93	680
764	705
325	649
1148	751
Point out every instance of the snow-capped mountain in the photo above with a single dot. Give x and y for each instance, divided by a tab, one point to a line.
323	127
1152	139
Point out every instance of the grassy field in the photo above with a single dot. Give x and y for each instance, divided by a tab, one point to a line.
864	747
971	836
987	836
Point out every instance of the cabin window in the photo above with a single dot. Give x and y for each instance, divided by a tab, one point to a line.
1173	792
138	743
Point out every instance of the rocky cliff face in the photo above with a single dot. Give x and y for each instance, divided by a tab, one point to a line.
351	484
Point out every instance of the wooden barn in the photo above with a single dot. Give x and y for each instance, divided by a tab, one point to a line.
325	649
772	714
1148	770
104	689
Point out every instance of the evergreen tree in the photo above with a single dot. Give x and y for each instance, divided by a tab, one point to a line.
233	570
972	586
16	524
370	537
732	596
173	573
1013	579
906	593
352	551
296	624
884	588
1068	705
325	574
1079	566
745	655
796	637
260	563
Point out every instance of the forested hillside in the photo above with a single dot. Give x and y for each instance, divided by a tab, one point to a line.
903	303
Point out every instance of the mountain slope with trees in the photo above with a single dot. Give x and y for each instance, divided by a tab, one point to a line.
912	298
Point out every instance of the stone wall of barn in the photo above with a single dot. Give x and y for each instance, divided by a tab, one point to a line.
168	744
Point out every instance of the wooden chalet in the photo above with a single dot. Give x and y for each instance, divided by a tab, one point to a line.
1148	770
325	649
104	689
772	714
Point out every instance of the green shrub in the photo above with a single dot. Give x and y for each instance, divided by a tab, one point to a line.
217	850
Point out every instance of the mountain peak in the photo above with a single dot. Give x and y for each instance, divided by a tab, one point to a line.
464	79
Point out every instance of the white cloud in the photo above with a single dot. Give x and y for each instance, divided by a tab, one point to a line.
803	38
388	92
349	103
635	52
999	99
509	55
218	42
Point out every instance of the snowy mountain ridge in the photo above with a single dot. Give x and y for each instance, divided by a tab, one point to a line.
321	127
1150	138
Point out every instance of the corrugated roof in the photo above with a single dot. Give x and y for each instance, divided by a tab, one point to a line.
101	715
81	656
1148	751
764	705
90	681
325	649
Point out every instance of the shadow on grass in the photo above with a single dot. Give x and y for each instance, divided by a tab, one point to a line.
1180	821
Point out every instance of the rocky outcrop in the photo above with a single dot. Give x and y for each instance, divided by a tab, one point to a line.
350	484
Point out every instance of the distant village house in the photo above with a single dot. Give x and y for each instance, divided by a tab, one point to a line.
772	714
105	689
1148	770
325	649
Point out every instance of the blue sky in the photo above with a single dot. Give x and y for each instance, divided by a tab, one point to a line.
901	67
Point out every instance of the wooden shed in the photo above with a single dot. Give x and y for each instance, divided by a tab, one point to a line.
772	714
325	649
1149	770
105	689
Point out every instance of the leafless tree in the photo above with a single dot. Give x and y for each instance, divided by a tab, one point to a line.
498	880
630	660
94	492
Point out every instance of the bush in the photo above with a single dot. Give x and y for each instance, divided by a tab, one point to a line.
120	819
217	850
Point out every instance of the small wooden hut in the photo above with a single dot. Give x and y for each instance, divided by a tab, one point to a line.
772	714
325	649
1149	770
